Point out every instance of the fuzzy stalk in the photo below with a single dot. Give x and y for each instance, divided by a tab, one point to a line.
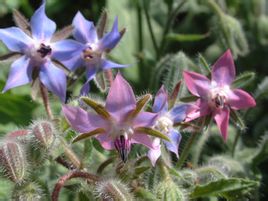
74	174
186	150
71	155
44	95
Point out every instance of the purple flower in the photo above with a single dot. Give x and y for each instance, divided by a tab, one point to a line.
37	53
165	122
118	124
92	50
216	97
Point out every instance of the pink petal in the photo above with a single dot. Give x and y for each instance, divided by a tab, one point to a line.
82	121
223	71
105	141
120	99
144	119
199	109
141	138
196	83
239	99
222	119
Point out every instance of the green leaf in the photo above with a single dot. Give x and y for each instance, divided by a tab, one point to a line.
243	79
262	90
16	108
223	186
186	37
144	194
262	151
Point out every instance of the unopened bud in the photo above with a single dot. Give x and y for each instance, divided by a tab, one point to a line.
13	160
113	190
27	192
44	133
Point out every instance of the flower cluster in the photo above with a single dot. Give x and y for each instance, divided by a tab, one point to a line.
123	120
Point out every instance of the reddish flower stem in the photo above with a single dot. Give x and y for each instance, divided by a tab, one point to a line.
44	95
74	174
109	76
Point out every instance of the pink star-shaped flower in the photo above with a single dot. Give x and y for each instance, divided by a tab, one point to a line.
216	97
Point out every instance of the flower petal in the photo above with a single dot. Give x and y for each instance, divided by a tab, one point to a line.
54	79
15	39
110	40
154	154
199	109
120	99
161	101
20	73
82	121
144	119
107	64
178	113
223	71
173	145
90	74
141	138
84	30
41	26
105	141
239	99
66	49
222	119
196	83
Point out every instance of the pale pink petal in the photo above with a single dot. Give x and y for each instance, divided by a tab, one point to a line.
105	141
82	121
154	154
223	71
222	119
239	99
120	99
196	83
141	138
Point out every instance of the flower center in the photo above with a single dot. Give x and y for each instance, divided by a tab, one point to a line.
44	50
164	124
121	136
90	54
218	97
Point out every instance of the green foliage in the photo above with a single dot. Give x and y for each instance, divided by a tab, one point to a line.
225	188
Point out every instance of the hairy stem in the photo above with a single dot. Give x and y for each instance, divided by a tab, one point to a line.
74	174
105	164
44	95
64	163
186	150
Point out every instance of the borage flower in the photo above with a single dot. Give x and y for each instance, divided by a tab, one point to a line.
91	53
165	121
37	49
216	97
119	123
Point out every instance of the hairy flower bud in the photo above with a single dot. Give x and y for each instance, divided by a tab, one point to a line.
13	160
113	190
44	133
27	192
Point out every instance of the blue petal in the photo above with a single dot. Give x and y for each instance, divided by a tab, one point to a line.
178	113
161	101
173	145
74	62
15	39
107	64
66	49
54	79
20	73
41	26
90	74
84	30
110	40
